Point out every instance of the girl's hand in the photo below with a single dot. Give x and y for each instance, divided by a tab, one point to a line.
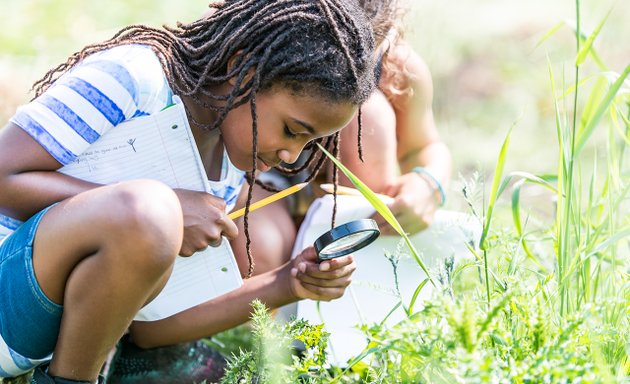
415	203
205	221
323	281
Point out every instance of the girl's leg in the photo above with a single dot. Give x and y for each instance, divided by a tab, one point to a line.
102	254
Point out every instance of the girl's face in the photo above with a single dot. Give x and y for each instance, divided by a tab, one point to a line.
286	123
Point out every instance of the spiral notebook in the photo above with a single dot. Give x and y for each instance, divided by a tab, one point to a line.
161	147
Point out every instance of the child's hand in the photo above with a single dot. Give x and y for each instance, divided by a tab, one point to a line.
415	203
320	281
205	221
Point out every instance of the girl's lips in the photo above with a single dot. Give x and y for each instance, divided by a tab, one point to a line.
262	165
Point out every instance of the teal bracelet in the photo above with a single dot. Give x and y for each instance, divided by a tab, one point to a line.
438	185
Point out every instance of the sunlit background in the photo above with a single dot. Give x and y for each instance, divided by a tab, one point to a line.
489	58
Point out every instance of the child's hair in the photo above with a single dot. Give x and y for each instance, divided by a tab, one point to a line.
323	48
384	16
387	23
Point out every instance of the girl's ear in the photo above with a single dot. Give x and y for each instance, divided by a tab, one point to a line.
230	66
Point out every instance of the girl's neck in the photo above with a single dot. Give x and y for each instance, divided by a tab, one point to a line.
209	143
210	146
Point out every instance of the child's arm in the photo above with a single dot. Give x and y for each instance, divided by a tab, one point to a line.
399	132
416	194
299	278
29	183
28	180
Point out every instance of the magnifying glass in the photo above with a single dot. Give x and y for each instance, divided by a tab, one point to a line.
346	238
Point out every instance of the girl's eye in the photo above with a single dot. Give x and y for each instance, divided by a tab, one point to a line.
288	133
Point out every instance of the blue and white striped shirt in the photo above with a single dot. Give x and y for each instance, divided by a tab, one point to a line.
100	92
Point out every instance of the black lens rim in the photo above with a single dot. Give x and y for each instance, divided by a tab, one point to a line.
343	230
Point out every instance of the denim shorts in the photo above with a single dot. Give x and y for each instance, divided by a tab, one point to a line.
29	321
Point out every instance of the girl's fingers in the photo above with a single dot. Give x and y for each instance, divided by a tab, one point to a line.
230	230
324	294
341	281
329	269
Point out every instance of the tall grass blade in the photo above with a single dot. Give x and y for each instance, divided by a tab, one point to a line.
516	217
552	31
601	109
586	48
594	55
414	297
496	182
381	208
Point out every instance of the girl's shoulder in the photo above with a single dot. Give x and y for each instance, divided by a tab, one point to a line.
131	55
138	68
404	74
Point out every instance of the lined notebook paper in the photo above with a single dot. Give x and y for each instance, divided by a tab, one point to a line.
161	147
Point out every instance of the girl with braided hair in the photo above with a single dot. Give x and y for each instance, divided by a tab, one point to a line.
399	152
78	260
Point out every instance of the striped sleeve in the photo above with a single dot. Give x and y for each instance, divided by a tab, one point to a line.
79	107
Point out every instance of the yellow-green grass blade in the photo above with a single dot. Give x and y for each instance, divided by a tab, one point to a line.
552	31
415	296
586	48
516	217
625	136
594	55
496	182
590	126
381	208
480	259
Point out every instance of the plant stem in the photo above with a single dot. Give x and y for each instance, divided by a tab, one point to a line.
485	264
565	240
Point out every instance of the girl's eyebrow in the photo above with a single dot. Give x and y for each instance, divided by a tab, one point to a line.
308	127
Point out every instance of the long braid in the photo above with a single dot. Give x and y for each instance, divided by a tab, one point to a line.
335	153
250	189
360	134
320	48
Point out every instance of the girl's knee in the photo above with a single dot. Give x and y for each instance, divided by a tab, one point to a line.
146	217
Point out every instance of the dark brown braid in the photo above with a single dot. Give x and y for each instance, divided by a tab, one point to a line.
250	190
360	134
335	178
319	48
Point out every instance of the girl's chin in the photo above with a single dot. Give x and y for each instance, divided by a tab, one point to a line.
261	166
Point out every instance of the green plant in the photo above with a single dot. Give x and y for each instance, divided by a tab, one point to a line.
274	358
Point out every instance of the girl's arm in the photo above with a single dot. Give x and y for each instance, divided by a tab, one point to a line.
419	143
28	180
298	279
416	193
29	183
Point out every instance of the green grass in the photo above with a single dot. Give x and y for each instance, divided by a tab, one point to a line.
546	299
539	124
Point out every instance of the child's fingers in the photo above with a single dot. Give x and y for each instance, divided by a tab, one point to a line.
329	269
324	293
335	263
342	278
311	271
228	227
309	254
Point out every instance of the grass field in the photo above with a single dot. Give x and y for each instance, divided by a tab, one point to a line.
550	295
488	70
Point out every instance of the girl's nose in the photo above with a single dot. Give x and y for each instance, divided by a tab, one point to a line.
289	156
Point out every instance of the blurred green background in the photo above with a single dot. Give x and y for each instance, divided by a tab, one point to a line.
489	71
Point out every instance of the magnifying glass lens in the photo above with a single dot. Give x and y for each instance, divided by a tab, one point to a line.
346	238
344	244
